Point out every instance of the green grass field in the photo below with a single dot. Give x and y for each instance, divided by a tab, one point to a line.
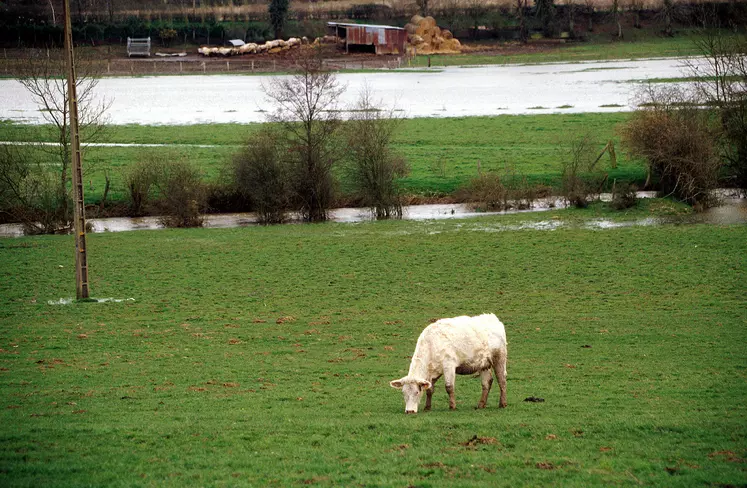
637	44
443	153
261	356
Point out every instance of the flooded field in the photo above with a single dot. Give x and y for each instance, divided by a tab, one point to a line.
733	210
493	90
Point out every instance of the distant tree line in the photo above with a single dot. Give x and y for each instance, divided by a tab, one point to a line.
29	24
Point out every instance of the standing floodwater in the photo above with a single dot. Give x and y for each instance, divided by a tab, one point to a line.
493	90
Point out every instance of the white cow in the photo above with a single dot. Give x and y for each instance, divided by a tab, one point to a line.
460	345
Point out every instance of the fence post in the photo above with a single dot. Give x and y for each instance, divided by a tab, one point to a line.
252	65
108	67
203	66
228	66
180	67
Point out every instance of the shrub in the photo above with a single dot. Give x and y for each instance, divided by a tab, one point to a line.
624	196
261	173
139	180
374	168
487	192
678	142
183	194
580	178
31	194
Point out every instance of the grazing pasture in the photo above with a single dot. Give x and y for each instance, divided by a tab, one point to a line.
443	154
262	356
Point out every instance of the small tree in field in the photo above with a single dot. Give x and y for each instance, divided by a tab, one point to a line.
373	166
306	111
722	85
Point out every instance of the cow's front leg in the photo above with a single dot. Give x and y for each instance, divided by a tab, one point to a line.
449	378
429	393
486	378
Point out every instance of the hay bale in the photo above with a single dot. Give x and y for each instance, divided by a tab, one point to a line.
416	40
428	22
416	19
446	34
411	28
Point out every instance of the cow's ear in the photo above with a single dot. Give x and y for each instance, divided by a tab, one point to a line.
426	385
396	383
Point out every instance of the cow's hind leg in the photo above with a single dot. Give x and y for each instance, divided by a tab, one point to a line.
429	393
486	377
499	366
449	379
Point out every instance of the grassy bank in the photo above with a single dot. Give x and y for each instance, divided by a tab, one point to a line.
261	356
443	154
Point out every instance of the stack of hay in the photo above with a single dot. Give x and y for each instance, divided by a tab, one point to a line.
427	37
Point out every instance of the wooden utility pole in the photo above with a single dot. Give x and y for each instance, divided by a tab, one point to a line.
79	210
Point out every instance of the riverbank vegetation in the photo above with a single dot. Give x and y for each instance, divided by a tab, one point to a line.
443	154
262	355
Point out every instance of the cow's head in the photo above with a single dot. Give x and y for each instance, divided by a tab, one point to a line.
412	389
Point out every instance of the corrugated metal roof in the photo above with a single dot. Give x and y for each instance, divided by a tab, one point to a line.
343	24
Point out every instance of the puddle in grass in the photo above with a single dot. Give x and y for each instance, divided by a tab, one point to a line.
733	210
68	301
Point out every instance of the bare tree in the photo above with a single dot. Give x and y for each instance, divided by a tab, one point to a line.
571	9
43	77
375	169
616	10
667	14
589	7
476	10
306	109
545	10
521	6
721	83
637	7
424	7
